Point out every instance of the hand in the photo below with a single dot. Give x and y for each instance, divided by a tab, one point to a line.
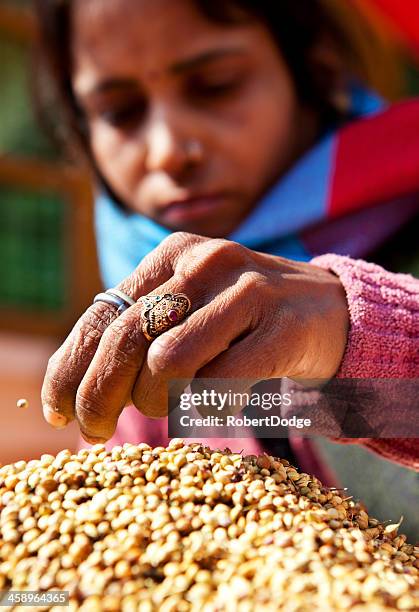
253	316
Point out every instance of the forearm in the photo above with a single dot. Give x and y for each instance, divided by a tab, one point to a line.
383	339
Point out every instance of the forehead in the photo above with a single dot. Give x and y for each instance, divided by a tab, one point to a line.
123	36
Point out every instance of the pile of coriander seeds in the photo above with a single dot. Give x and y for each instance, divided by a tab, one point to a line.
187	528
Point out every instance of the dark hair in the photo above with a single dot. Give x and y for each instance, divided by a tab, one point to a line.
296	26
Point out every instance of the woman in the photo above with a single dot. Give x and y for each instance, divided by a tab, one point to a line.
235	122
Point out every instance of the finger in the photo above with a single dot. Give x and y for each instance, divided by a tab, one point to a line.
110	377
105	388
183	350
69	364
159	265
235	372
227	394
242	360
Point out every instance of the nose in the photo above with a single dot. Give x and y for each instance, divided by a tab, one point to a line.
167	142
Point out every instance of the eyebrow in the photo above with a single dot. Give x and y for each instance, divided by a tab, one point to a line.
179	67
204	57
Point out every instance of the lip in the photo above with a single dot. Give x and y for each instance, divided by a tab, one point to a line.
191	208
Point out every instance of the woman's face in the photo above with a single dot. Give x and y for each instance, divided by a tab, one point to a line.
190	121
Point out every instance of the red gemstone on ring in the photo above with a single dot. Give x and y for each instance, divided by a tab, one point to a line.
173	316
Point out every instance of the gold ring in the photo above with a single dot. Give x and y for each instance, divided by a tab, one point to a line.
161	312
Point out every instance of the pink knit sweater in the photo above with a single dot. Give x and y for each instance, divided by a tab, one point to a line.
383	342
383	338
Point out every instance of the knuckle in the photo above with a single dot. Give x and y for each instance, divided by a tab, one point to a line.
255	282
255	294
124	337
161	261
232	252
154	265
96	320
87	334
182	237
215	253
121	362
181	242
232	247
177	241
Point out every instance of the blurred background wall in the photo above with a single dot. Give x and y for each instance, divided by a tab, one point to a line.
47	256
48	261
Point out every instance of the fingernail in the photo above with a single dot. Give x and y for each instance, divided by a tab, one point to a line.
59	421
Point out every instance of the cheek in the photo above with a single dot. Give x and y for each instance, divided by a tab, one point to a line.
119	159
259	133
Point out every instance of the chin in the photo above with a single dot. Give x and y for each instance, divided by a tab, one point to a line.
211	230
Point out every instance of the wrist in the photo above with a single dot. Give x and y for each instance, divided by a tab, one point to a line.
313	328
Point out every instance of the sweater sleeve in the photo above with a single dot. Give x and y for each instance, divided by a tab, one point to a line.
383	339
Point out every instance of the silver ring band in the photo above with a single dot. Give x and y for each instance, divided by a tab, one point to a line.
121	295
113	300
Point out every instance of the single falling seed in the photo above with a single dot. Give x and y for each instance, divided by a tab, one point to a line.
22	403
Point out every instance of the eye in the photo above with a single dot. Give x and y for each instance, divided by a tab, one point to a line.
124	115
214	88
